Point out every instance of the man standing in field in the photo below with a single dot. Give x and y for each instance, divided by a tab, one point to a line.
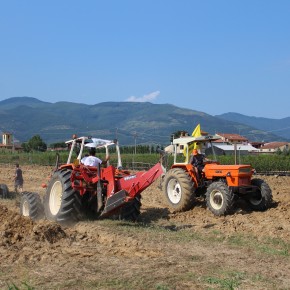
18	179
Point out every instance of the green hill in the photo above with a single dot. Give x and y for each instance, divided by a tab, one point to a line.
145	123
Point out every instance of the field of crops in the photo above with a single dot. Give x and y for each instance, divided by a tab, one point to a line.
261	163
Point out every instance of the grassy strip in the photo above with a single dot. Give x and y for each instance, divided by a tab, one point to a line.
261	163
175	233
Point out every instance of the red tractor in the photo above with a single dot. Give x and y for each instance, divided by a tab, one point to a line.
220	185
75	190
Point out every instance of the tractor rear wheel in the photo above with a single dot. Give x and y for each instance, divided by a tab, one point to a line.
4	191
179	189
219	199
263	198
62	203
31	205
131	210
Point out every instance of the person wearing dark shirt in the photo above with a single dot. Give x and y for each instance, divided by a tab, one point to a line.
18	179
197	160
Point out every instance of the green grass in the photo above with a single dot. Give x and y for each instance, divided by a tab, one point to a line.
232	280
271	246
161	287
25	286
174	233
274	246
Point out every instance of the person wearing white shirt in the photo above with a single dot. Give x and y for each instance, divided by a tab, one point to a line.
92	160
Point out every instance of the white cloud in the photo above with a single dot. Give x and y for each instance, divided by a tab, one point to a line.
146	98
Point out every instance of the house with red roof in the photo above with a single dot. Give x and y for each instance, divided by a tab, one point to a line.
8	142
274	147
232	138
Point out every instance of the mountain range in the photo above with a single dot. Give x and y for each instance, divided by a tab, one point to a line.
279	127
129	122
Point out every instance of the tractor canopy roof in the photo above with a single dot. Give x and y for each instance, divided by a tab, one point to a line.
189	139
89	141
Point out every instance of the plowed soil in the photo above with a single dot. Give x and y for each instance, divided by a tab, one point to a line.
163	250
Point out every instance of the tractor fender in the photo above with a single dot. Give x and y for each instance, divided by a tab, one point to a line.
190	171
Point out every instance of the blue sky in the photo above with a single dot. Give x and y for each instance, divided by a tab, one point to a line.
213	56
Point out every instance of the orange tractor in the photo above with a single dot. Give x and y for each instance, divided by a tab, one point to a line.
75	190
221	185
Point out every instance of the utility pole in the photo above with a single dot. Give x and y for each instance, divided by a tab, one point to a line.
13	145
116	136
235	151
135	137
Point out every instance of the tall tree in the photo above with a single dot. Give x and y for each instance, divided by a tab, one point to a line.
35	144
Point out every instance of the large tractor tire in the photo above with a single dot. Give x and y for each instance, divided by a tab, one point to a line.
31	205
219	199
263	199
4	191
179	190
131	210
62	203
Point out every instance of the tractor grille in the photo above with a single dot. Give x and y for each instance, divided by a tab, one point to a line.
244	181
243	190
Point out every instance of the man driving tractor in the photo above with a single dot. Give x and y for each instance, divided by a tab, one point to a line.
197	160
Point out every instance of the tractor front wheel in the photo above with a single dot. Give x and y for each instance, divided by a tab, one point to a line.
219	199
31	205
179	189
62	203
263	198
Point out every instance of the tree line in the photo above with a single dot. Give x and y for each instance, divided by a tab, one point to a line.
37	144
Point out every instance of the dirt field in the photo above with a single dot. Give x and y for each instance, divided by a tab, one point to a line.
164	250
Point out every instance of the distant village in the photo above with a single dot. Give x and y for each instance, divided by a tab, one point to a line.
8	143
228	143
224	146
